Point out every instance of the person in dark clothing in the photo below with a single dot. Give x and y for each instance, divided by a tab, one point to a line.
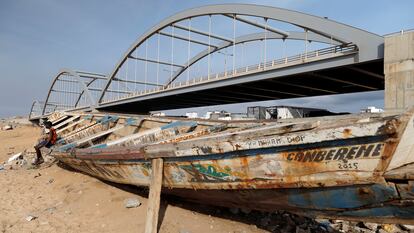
48	139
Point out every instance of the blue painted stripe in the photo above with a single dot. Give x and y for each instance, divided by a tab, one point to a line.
130	121
88	117
179	124
400	211
343	197
99	146
107	118
67	147
61	141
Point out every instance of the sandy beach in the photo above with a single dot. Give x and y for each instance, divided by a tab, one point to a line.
56	198
63	200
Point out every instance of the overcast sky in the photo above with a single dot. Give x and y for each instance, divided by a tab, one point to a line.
37	38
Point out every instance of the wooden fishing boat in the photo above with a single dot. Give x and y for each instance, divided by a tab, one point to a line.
348	167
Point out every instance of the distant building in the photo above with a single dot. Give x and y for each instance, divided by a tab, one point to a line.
208	114
239	116
273	112
286	112
191	115
258	112
372	109
222	115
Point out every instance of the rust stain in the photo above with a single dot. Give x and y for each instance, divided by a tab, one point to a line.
347	133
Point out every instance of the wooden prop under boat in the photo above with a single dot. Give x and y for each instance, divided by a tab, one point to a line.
348	167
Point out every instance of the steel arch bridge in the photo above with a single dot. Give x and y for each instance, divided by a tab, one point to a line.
233	53
70	90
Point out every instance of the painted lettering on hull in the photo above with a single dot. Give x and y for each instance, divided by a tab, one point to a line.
340	153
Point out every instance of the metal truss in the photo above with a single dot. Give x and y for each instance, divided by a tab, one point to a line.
72	89
313	28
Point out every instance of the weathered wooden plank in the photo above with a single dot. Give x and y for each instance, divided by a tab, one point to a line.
151	224
404	153
196	134
70	126
66	122
79	129
401	173
257	139
88	130
174	125
68	137
89	139
55	116
57	120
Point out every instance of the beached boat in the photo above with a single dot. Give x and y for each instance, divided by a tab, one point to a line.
348	167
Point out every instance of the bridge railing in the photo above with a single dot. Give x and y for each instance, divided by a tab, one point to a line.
310	56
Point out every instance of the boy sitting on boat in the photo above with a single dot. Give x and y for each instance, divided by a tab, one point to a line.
47	140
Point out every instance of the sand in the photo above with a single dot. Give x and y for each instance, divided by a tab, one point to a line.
63	200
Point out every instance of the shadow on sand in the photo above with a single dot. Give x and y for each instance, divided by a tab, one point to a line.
278	221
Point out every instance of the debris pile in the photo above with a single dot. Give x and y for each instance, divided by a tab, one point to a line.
7	127
281	221
13	122
24	160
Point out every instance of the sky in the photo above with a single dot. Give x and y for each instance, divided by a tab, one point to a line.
38	38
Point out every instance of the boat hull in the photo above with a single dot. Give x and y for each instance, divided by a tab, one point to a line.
337	170
378	202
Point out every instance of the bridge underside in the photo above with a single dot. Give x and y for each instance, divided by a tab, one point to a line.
360	77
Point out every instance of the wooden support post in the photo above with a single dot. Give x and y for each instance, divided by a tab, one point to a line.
151	224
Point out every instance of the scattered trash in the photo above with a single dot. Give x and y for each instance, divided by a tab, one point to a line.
1	167
51	181
38	175
391	228
132	203
7	127
17	156
371	226
30	218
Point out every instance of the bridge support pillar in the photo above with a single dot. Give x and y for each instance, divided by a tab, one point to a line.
399	72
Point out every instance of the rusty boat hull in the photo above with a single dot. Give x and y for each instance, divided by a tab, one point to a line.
345	168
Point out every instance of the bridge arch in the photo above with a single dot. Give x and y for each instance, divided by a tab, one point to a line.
315	29
71	90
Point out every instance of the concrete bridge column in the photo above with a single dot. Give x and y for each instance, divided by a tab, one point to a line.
399	72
